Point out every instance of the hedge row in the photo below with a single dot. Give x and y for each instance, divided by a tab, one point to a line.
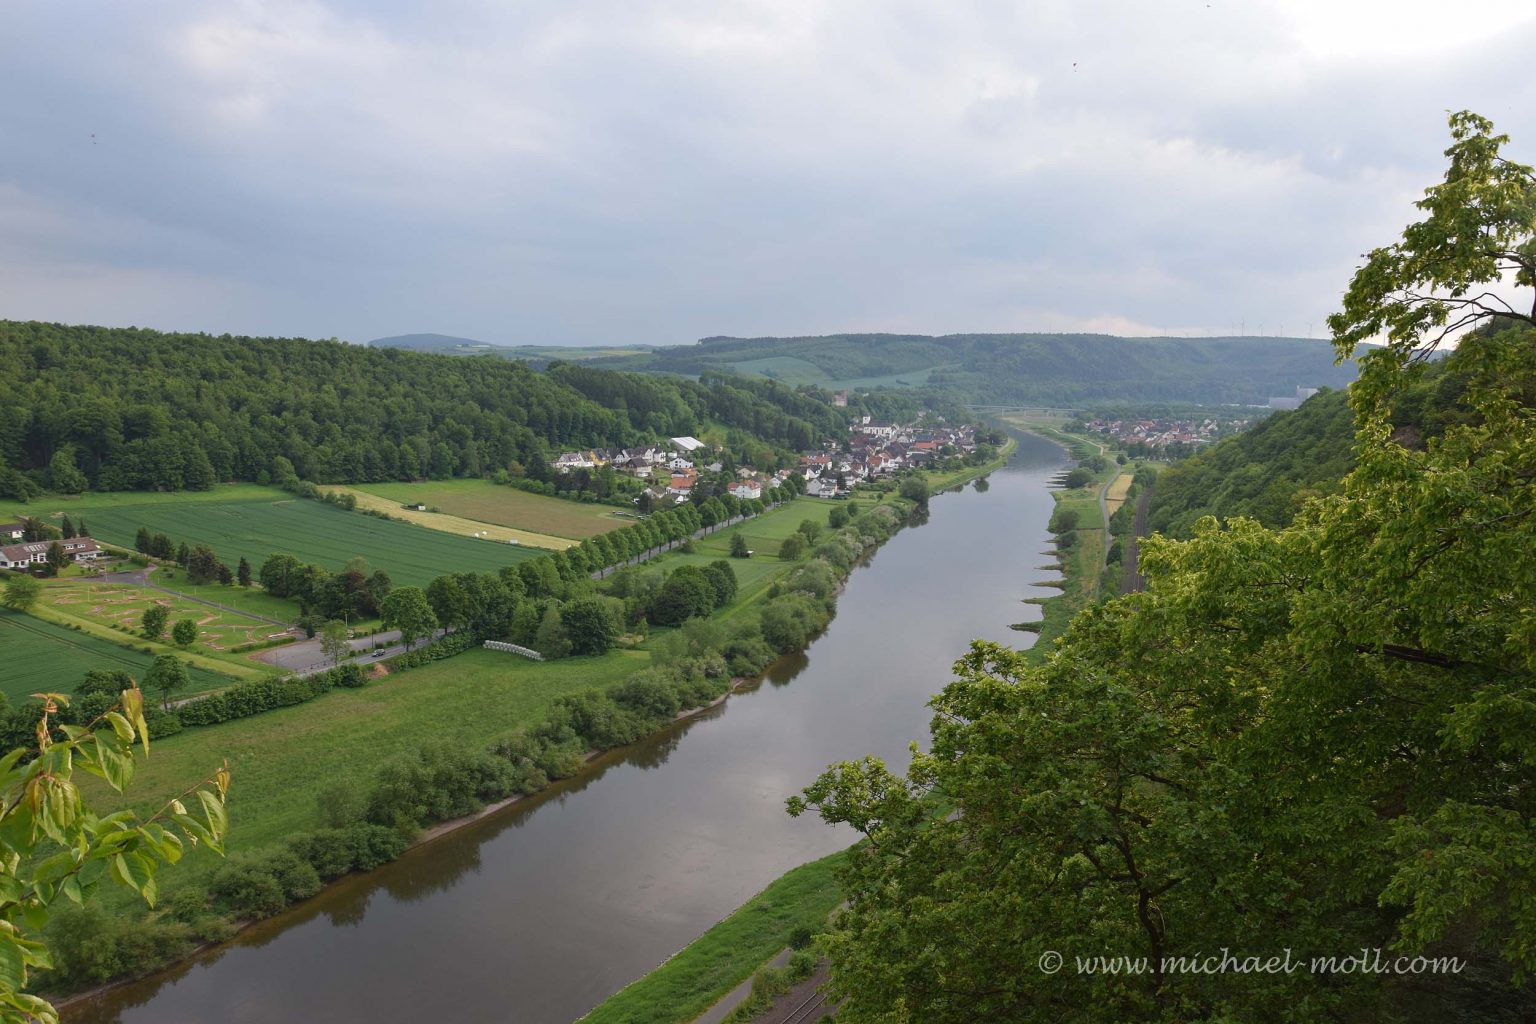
246	699
447	647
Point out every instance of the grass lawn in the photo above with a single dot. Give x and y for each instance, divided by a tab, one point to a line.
244	520
282	759
457	524
485	502
121	606
1084	561
717	961
248	599
44	657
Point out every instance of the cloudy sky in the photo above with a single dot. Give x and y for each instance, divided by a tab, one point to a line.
611	171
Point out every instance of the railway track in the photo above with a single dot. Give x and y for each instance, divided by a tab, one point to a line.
802	1013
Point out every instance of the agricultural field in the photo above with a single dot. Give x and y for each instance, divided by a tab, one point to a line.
283	759
1115	496
245	520
457	524
485	502
43	657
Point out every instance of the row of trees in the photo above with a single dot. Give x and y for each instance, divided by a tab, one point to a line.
200	561
355	592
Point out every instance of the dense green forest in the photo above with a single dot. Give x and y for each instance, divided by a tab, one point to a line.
1265	472
1292	779
1268	473
132	409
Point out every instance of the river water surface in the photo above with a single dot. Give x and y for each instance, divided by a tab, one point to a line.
540	912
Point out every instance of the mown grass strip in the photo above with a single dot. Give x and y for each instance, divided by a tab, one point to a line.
694	979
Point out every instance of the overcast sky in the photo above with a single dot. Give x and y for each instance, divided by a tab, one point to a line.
613	171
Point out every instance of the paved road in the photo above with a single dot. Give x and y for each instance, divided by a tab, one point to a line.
305	657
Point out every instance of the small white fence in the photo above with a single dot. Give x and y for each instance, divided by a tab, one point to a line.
497	645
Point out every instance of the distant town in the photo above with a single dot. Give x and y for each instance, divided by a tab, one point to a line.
873	450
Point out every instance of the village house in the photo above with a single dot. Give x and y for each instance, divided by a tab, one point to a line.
575	460
21	556
747	490
12	531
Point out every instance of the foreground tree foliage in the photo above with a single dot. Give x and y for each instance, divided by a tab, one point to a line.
1318	738
53	848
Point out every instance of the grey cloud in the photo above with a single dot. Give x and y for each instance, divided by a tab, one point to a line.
612	172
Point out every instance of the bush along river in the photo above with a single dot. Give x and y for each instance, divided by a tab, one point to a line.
539	912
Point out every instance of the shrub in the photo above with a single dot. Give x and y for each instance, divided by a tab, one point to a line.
790	620
374	845
437	784
340	804
329	852
249	889
647	696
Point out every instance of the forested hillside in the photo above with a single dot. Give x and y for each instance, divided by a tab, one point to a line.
1268	473
131	409
961	369
1264	473
1052	369
1292	779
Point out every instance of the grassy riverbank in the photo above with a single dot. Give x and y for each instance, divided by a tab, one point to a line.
695	978
1082	557
458	716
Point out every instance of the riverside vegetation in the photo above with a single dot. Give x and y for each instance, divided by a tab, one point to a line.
368	819
1314	737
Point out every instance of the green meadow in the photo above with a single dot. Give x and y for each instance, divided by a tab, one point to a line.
253	522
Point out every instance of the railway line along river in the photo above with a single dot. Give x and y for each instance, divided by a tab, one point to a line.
535	914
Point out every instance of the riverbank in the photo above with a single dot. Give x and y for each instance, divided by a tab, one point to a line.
471	699
1080	525
695	978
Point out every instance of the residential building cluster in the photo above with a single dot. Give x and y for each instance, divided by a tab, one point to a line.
1166	433
872	450
875	450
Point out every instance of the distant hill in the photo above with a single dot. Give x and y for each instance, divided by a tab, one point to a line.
970	369
537	356
431	343
989	369
132	409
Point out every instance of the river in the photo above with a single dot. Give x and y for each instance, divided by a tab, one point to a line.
540	912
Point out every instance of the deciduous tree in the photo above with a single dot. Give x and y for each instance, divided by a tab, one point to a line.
21	592
184	633
407	609
152	623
